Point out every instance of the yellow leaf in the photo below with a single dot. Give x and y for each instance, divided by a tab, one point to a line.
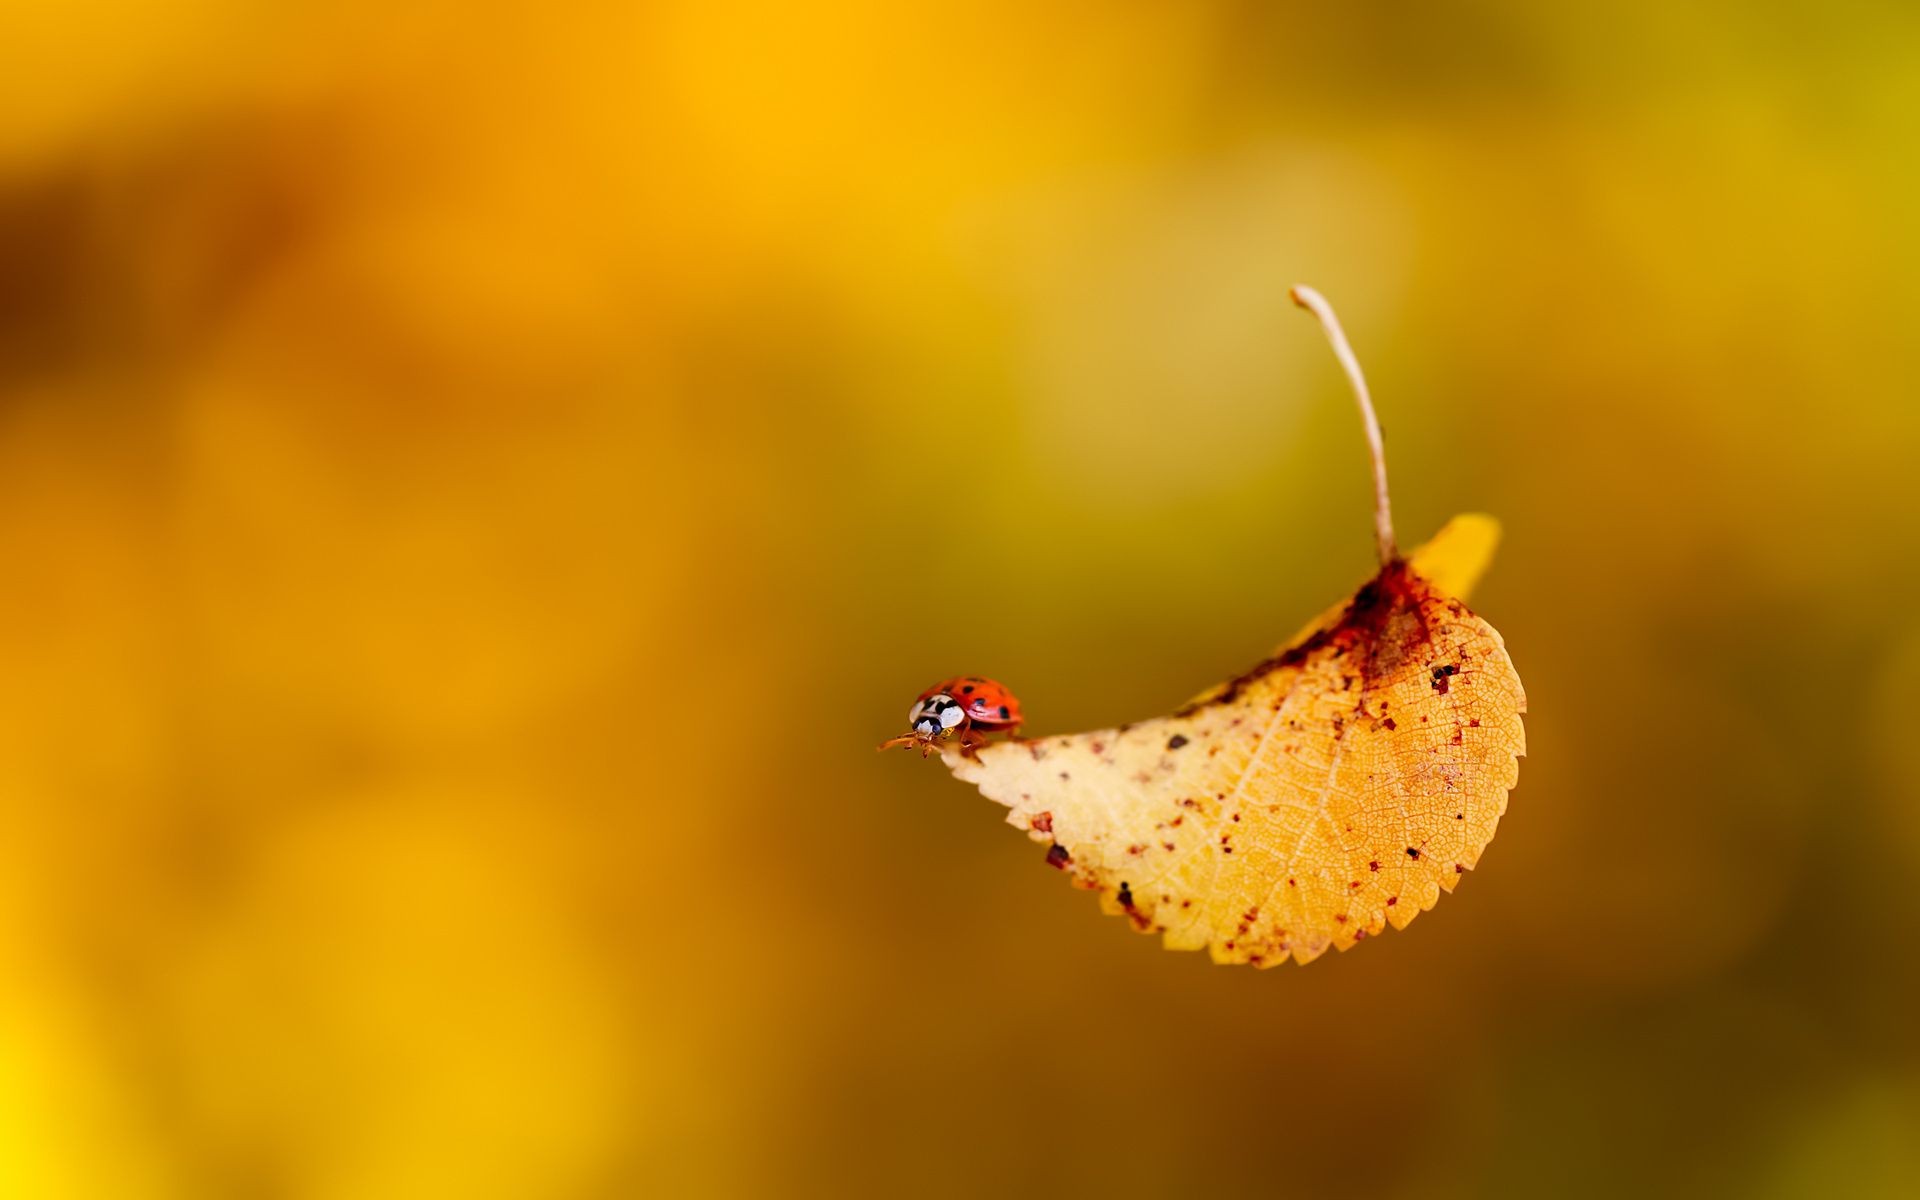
1331	790
1459	554
1334	788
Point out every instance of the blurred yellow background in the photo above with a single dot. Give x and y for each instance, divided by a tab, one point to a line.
477	481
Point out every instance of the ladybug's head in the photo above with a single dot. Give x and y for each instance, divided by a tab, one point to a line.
935	716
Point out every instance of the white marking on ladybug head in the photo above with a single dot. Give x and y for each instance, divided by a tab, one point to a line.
935	715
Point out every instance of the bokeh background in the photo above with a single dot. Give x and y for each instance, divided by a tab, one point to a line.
477	481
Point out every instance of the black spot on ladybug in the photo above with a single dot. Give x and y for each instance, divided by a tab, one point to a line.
1005	712
967	690
1058	857
1176	741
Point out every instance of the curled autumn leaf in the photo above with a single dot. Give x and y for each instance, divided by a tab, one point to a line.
1335	788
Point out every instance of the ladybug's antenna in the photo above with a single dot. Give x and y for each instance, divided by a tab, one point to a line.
1317	304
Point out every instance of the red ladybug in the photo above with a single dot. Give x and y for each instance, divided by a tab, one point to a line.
966	708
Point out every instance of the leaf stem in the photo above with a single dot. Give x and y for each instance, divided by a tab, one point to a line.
1317	304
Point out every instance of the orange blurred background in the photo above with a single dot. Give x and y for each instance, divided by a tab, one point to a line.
475	484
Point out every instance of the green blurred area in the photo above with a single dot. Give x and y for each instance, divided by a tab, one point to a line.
474	487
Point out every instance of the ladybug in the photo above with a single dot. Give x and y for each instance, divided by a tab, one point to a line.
966	708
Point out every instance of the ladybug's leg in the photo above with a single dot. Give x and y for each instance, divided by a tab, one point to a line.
971	740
